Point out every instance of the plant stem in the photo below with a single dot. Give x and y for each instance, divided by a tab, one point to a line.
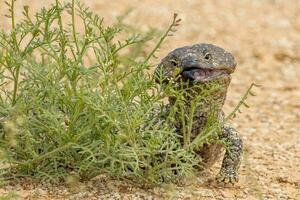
14	37
73	26
174	23
46	155
12	14
241	102
16	84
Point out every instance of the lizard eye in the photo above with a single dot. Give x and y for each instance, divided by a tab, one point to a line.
207	56
173	63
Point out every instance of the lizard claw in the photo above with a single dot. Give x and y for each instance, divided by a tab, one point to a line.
227	177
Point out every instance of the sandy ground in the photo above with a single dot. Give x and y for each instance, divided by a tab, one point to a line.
264	36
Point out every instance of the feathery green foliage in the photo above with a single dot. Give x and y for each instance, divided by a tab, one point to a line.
83	102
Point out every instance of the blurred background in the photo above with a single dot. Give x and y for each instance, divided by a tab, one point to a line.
264	36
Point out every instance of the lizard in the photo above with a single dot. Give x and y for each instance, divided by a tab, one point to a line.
196	65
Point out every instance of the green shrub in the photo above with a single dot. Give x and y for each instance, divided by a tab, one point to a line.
84	102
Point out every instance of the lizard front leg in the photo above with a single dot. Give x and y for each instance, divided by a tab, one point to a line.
232	158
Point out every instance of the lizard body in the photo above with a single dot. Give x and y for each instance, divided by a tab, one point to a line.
200	65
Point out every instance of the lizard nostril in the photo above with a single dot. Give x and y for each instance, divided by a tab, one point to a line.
174	63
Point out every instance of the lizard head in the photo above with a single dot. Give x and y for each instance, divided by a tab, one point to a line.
196	64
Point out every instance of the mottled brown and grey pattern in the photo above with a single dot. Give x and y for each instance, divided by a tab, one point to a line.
199	65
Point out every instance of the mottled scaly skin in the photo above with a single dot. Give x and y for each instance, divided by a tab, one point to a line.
201	65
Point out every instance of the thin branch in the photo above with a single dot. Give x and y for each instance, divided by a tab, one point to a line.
174	23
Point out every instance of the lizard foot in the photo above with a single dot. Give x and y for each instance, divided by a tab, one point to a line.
227	177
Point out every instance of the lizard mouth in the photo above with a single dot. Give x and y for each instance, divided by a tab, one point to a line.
200	75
